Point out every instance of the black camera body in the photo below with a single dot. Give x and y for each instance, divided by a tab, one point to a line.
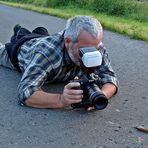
93	96
90	58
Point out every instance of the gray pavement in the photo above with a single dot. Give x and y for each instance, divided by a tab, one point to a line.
113	127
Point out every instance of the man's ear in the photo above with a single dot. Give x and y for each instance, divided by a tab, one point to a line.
67	41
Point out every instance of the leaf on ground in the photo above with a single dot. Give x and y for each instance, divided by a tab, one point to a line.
142	129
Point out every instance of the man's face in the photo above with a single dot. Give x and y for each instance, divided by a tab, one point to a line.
84	40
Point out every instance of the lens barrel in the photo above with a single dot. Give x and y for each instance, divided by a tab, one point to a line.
99	101
96	97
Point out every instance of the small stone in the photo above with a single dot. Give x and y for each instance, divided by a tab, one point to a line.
143	97
73	143
116	130
110	139
130	132
117	110
140	140
111	123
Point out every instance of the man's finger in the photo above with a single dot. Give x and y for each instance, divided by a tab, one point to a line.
90	108
76	78
74	92
74	97
72	85
72	101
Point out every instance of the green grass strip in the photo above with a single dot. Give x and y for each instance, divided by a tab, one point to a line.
132	28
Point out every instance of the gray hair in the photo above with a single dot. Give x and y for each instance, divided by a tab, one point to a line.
77	24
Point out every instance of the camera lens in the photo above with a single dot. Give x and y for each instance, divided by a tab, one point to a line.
96	97
100	102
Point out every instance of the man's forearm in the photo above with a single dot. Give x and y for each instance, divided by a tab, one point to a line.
41	99
109	90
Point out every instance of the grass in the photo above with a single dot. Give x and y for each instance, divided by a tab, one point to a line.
133	28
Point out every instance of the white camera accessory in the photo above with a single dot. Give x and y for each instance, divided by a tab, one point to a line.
90	57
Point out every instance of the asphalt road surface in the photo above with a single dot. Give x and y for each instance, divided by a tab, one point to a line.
113	127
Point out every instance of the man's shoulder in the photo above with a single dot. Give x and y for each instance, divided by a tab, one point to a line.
51	44
55	39
51	48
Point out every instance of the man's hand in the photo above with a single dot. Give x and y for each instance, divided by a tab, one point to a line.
71	95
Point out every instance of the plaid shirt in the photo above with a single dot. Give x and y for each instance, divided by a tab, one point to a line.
45	60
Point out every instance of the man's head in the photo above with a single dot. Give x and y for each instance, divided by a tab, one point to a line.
81	31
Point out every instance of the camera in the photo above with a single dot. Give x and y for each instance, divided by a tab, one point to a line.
90	58
93	96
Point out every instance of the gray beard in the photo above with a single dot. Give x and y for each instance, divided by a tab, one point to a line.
72	57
